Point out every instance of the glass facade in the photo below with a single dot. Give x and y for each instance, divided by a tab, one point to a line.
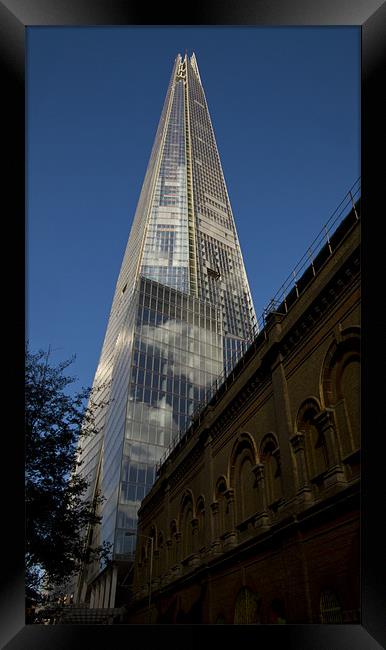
181	308
222	278
177	353
166	255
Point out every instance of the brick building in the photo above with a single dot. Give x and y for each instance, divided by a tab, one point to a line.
254	517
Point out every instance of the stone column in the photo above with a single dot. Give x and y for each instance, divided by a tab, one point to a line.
168	554
177	563
324	421
168	559
210	532
304	492
194	524
195	559
178	537
230	538
215	544
261	519
283	417
92	597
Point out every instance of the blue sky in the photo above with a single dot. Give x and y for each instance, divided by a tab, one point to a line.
285	107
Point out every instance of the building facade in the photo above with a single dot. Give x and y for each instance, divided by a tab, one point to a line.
181	313
254	517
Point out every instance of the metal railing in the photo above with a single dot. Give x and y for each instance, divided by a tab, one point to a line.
304	271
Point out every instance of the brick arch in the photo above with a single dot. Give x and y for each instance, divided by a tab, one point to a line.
153	531
269	452
247	607
242	461
200	503
160	538
316	453
221	485
221	488
243	442
311	403
187	498
268	439
201	519
173	532
348	345
340	385
173	528
186	514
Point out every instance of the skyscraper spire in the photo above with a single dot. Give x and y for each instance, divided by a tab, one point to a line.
181	309
193	62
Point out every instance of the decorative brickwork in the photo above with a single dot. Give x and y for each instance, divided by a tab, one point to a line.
266	486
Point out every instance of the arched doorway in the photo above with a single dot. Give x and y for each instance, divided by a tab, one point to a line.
247	607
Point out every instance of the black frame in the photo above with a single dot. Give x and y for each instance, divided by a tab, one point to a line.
370	15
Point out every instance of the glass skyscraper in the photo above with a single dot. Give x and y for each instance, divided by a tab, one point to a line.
181	309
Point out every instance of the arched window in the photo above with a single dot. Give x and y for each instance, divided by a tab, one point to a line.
221	488
245	489
330	608
270	457
316	454
247	607
341	389
186	525
243	478
348	388
173	545
161	554
200	510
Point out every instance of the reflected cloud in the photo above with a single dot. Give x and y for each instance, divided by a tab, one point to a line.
142	452
181	342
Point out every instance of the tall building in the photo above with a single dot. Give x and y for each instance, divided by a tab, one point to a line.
181	311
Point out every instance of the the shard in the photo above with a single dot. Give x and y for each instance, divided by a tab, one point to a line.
181	309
